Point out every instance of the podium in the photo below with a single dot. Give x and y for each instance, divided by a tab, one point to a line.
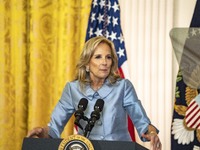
53	144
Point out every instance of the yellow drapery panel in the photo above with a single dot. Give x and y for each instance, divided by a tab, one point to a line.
40	43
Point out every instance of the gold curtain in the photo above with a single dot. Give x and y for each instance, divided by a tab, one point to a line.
40	42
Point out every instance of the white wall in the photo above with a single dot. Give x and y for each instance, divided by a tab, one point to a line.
183	11
152	65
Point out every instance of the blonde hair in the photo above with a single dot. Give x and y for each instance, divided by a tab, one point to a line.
88	50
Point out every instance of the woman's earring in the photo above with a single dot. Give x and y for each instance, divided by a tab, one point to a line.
87	69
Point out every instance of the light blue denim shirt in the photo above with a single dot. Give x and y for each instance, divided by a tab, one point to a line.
120	100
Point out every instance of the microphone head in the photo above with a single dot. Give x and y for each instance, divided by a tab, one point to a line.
83	104
99	104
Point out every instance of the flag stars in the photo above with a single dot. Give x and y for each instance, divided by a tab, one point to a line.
109	5
105	21
91	32
193	32
93	17
114	21
108	21
115	7
100	18
107	34
102	3
113	36
98	32
121	38
94	3
120	52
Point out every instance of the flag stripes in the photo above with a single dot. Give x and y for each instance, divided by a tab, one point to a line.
193	115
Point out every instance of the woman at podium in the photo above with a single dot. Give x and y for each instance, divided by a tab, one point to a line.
100	100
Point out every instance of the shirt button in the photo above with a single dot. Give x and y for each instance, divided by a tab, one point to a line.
96	94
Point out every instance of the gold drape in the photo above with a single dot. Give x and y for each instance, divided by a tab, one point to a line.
40	42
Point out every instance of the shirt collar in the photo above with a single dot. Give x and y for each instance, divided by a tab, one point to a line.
102	92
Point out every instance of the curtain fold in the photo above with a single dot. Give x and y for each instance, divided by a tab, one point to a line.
40	43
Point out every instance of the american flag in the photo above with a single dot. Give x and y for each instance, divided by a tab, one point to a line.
185	134
104	20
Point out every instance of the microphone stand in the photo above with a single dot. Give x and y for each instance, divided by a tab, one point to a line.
95	115
89	127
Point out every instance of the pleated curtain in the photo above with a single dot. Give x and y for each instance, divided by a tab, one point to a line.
40	43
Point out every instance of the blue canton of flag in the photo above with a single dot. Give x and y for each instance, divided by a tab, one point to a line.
104	20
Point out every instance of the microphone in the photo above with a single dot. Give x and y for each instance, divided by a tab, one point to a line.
79	114
95	115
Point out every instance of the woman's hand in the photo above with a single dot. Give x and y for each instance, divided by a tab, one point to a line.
154	140
38	132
